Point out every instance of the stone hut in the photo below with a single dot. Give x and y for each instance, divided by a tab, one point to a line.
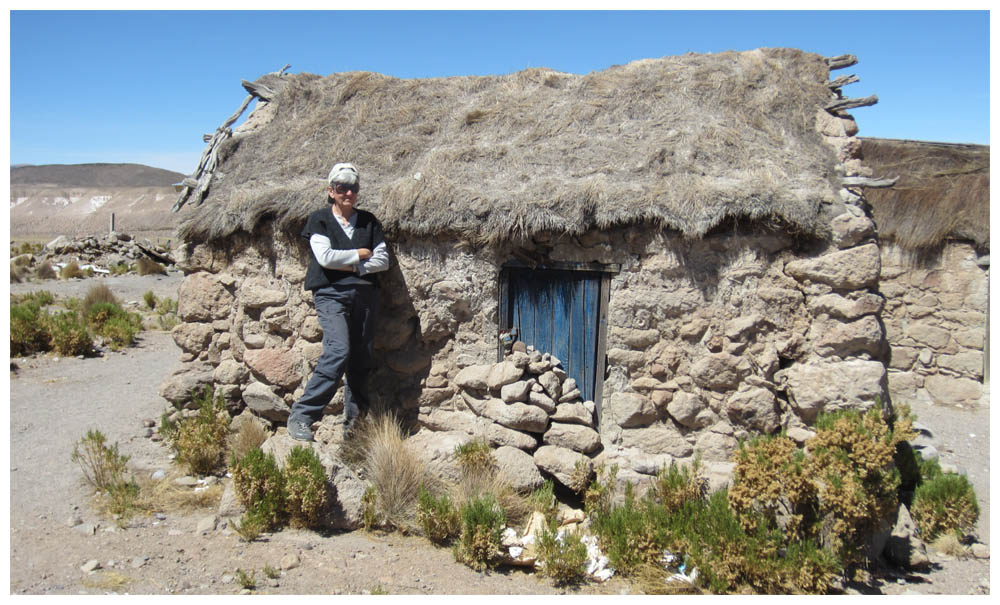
635	266
934	231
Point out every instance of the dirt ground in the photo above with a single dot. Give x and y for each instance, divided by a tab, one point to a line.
54	401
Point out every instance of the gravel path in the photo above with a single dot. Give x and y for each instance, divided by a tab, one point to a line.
53	402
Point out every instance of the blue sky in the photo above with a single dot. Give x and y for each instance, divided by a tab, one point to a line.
144	86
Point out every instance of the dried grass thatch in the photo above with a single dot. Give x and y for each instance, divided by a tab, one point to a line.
682	143
943	192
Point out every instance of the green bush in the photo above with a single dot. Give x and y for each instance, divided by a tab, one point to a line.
944	503
150	299
483	522
29	330
69	335
98	293
120	269
543	500
42	298
476	456
305	487
563	556
676	485
260	487
836	492
120	331
102	465
200	441
438	516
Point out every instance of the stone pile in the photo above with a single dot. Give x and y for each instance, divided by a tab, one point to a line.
527	402
100	252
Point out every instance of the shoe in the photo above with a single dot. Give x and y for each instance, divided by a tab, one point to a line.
299	430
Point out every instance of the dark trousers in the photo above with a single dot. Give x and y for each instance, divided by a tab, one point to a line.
346	314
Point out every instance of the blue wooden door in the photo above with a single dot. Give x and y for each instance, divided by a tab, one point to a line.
558	312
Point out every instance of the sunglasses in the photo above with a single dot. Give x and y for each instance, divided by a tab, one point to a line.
342	189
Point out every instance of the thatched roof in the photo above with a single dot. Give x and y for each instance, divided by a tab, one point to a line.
682	143
943	192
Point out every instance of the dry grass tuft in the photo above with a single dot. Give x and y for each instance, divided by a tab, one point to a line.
949	544
164	495
250	433
111	581
393	470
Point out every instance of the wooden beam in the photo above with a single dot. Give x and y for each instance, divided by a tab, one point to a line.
843	81
864	181
841	61
842	104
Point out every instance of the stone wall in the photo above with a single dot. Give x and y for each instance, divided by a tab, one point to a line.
935	321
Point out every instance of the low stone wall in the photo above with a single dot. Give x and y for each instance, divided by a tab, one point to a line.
935	321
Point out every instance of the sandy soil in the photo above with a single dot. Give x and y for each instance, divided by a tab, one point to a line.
55	401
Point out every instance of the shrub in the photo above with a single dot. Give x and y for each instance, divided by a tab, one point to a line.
146	266
102	465
120	269
836	495
676	485
483	522
543	500
246	580
71	270
305	487
438	516
251	524
150	299
42	298
260	487
120	330
476	456
394	471
98	293
563	556
945	503
69	335
29	331
200	441
45	271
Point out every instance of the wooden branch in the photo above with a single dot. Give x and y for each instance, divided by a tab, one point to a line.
842	61
258	90
199	181
841	104
843	81
864	181
160	258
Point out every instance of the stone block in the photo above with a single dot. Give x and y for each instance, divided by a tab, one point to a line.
186	379
230	372
660	438
685	407
850	269
843	307
846	339
264	402
719	371
256	294
202	298
503	373
572	469
828	386
929	334
192	337
574	413
630	410
275	366
755	408
519	468
474	377
951	390
849	230
967	363
576	437
515	391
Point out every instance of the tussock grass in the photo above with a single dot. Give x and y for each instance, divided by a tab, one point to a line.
145	266
394	471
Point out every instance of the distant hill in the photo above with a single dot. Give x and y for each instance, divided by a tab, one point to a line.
93	175
79	199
